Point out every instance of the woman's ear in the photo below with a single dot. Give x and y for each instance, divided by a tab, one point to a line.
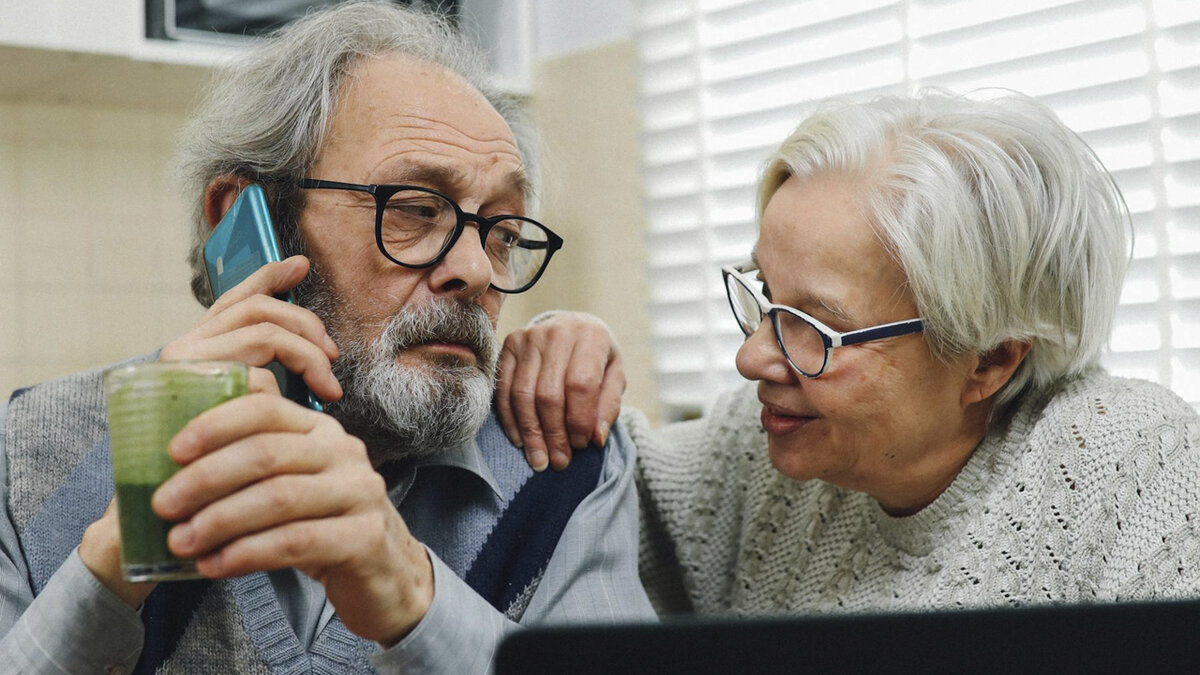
220	195
993	370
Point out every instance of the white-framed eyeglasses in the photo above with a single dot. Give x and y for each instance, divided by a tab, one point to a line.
806	343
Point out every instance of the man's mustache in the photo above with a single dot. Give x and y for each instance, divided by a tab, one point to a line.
445	321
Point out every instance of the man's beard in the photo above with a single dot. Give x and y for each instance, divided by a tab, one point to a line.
406	411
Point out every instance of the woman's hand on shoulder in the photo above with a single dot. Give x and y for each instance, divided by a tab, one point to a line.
559	386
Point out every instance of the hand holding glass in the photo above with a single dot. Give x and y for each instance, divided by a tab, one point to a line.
148	403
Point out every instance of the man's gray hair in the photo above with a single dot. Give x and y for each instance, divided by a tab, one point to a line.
266	115
1005	223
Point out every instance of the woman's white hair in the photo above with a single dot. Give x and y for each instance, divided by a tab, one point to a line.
1004	221
267	113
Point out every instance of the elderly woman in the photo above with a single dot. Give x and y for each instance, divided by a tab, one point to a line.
933	283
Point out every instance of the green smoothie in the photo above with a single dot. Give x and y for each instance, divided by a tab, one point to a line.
147	405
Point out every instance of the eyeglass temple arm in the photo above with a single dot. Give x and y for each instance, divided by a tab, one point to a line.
885	331
334	185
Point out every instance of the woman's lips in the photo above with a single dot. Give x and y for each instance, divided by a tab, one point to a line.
781	422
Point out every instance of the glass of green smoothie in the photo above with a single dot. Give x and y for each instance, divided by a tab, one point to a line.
148	403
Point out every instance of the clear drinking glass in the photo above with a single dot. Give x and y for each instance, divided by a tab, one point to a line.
148	403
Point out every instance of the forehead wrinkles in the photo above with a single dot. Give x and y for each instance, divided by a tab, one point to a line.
429	129
465	155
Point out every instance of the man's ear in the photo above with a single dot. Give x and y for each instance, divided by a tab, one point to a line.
220	195
993	370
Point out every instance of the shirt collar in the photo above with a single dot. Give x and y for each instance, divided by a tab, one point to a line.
466	456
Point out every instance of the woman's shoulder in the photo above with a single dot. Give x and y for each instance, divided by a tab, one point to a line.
730	424
1100	403
708	457
1125	457
1115	424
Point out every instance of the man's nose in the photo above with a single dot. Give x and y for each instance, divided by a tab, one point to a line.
465	270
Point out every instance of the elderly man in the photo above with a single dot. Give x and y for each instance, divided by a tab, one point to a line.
400	532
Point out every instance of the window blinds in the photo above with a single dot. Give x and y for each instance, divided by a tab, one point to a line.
724	81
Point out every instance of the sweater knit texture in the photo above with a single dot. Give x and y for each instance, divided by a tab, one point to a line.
1090	492
61	480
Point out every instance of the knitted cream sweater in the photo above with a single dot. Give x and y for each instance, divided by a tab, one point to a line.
1091	492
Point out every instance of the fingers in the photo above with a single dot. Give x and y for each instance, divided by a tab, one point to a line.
609	406
256	463
249	324
263	309
261	343
504	375
584	376
240	442
380	580
560	385
262	381
272	503
239	418
551	405
522	388
274	278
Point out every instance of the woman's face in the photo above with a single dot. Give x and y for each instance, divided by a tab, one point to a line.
886	417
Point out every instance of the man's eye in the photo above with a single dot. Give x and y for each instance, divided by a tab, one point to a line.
415	210
504	236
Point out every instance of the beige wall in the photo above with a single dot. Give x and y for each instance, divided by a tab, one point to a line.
93	229
585	105
91	237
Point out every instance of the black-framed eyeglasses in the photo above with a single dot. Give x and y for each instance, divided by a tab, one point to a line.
806	343
415	227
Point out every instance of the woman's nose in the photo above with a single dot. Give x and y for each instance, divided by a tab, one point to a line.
760	358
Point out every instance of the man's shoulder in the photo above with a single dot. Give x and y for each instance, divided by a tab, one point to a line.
80	388
598	463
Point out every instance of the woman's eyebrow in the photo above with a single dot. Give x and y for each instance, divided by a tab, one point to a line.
813	301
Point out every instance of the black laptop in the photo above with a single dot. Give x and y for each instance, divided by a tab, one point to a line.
1160	637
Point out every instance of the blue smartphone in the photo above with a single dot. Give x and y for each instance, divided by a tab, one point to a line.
241	243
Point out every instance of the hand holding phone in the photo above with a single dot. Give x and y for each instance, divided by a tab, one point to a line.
241	243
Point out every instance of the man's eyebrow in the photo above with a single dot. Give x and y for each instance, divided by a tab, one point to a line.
447	177
429	174
520	182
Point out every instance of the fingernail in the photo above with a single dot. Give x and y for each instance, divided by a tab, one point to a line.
209	565
538	460
182	444
561	460
516	441
182	537
330	345
602	433
578	441
163	500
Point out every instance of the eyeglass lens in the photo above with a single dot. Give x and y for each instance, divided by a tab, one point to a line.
802	343
745	307
417	226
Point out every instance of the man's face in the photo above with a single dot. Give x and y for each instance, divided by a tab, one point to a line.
402	121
